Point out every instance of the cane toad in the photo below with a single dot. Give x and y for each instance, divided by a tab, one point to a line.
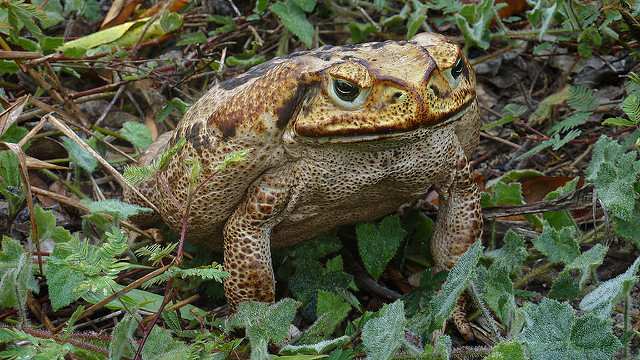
337	135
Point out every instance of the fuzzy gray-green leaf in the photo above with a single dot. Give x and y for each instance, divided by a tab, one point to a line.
137	134
602	301
552	332
381	336
442	305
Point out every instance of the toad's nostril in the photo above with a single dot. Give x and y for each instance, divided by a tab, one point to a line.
435	90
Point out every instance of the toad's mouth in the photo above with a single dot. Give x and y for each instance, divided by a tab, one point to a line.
389	135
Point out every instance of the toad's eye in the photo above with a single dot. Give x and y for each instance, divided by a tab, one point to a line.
457	68
346	94
345	90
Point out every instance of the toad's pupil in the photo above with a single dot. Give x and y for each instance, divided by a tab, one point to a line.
456	70
345	90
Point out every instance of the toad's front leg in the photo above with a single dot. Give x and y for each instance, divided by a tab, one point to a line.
247	244
459	224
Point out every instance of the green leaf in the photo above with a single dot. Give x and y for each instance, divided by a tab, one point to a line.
122	341
504	194
160	345
237	60
164	159
560	219
176	104
513	253
53	11
443	304
142	299
316	248
311	277
137	134
553	332
558	246
602	301
473	21
11	187
192	38
416	19
264	322
564	287
14	134
333	305
513	350
47	229
8	67
629	229
542	15
587	262
134	175
381	336
61	279
115	208
9	170
541	47
16	274
20	14
306	5
87	8
170	21
359	31
294	19
79	155
50	44
378	245
612	170
499	292
618	121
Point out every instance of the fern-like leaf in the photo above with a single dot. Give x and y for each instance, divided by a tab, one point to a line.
514	110
618	121
213	271
555	143
510	113
582	98
631	107
170	273
156	252
633	85
109	251
164	159
92	260
134	175
233	158
589	14
571	122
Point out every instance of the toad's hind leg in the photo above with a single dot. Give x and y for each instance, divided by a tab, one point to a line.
247	246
